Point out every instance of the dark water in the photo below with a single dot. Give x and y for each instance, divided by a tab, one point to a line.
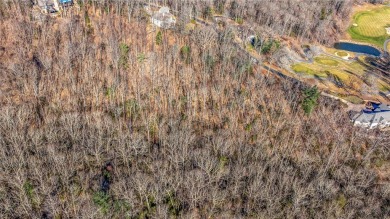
352	47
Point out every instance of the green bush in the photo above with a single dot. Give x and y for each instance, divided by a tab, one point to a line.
131	108
223	160
270	46
29	189
310	99
121	207
124	51
341	201
107	204
102	200
185	53
159	38
141	57
323	14
207	13
149	207
110	92
219	6
174	206
239	20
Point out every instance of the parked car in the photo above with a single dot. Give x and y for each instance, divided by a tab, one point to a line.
66	3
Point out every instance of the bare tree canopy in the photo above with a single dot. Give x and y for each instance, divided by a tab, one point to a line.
103	116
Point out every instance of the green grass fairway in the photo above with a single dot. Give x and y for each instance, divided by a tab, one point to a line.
302	68
371	26
340	76
326	61
341	54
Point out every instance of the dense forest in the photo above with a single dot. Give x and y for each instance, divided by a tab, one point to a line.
104	117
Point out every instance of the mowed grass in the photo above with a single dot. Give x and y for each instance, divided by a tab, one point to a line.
342	54
326	67
304	68
339	76
371	26
383	86
326	61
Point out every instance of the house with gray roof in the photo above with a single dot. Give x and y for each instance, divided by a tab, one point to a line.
48	6
376	116
163	18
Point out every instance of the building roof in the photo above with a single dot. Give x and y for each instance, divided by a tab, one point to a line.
378	114
372	117
163	18
164	10
383	107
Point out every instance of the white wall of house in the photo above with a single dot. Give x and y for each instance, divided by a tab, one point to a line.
156	22
162	24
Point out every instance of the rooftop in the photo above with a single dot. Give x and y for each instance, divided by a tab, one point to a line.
375	115
163	18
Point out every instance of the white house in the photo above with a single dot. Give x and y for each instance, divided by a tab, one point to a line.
48	6
163	18
379	116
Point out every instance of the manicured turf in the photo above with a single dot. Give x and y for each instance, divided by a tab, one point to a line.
326	61
342	77
342	54
340	74
371	26
302	68
383	86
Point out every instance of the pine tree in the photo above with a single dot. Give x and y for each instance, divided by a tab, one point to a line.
310	99
159	38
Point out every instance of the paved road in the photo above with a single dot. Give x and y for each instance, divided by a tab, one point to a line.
387	42
350	106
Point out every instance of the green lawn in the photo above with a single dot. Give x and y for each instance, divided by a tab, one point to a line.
324	65
383	86
326	61
371	26
340	74
342	54
343	77
304	69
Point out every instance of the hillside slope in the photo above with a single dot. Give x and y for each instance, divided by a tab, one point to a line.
98	121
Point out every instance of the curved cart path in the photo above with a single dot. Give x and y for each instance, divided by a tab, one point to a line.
386	45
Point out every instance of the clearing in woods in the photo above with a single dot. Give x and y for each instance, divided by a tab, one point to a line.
369	26
342	77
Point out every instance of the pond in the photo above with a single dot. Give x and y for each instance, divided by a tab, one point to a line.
352	47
